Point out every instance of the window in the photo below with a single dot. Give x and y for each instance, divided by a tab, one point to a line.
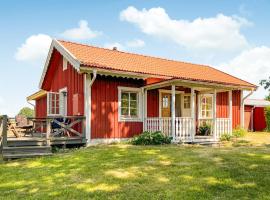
206	106
57	103
64	64
129	104
186	102
165	101
53	103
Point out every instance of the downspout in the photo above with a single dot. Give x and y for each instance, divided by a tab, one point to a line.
88	103
243	107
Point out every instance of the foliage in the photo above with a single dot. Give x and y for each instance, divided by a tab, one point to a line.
27	112
265	83
239	132
205	129
147	138
226	137
267	118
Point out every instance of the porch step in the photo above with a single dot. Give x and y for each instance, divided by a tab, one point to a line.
25	152
28	142
206	142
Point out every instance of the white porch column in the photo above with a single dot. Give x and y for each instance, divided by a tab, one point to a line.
145	110
242	110
87	106
215	114
230	110
173	111
193	113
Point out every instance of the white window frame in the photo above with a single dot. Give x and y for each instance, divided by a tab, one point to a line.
200	106
139	104
65	64
49	113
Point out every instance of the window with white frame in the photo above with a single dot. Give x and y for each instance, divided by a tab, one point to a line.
206	106
129	101
57	103
65	64
53	107
165	101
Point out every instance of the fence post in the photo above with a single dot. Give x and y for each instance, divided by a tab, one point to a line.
48	132
4	131
83	128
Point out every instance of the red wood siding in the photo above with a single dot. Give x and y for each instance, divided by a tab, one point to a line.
152	103
41	107
223	104
259	119
236	105
57	78
248	117
104	119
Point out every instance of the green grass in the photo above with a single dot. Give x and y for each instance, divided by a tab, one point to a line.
238	170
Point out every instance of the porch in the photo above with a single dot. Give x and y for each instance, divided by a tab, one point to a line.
188	113
36	137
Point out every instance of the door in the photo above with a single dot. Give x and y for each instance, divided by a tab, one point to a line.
63	102
165	105
186	105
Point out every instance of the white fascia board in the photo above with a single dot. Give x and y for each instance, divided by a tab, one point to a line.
65	53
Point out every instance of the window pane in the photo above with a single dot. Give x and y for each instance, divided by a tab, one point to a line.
124	103
133	104
133	112
208	114
124	111
124	95
133	96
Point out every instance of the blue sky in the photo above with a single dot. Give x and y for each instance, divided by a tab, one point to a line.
230	35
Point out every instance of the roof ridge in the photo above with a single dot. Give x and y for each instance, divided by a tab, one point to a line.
138	54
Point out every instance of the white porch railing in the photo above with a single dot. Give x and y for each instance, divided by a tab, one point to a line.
223	125
184	127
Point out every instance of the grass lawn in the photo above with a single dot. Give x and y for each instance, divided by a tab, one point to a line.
237	170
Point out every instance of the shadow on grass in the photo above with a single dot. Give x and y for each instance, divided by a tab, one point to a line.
151	172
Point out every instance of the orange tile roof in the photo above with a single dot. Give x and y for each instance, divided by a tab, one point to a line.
129	62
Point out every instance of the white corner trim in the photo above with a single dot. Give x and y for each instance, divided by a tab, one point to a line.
130	89
65	53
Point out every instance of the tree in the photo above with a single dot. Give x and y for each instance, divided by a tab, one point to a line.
27	112
266	84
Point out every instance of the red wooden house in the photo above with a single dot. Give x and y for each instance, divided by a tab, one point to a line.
122	94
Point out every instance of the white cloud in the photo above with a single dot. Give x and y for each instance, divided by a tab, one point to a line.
137	43
83	32
114	44
35	48
219	33
251	65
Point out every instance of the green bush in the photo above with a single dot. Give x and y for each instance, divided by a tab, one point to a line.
239	132
205	129
267	118
226	137
147	138
27	112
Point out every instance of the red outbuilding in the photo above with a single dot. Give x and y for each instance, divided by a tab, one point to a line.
254	114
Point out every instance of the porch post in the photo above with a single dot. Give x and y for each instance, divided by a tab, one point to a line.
173	112
215	114
193	113
145	110
230	110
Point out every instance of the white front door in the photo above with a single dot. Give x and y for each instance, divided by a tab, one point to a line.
186	105
63	102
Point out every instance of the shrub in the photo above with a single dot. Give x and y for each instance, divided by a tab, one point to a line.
239	132
147	138
205	129
226	137
267	118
